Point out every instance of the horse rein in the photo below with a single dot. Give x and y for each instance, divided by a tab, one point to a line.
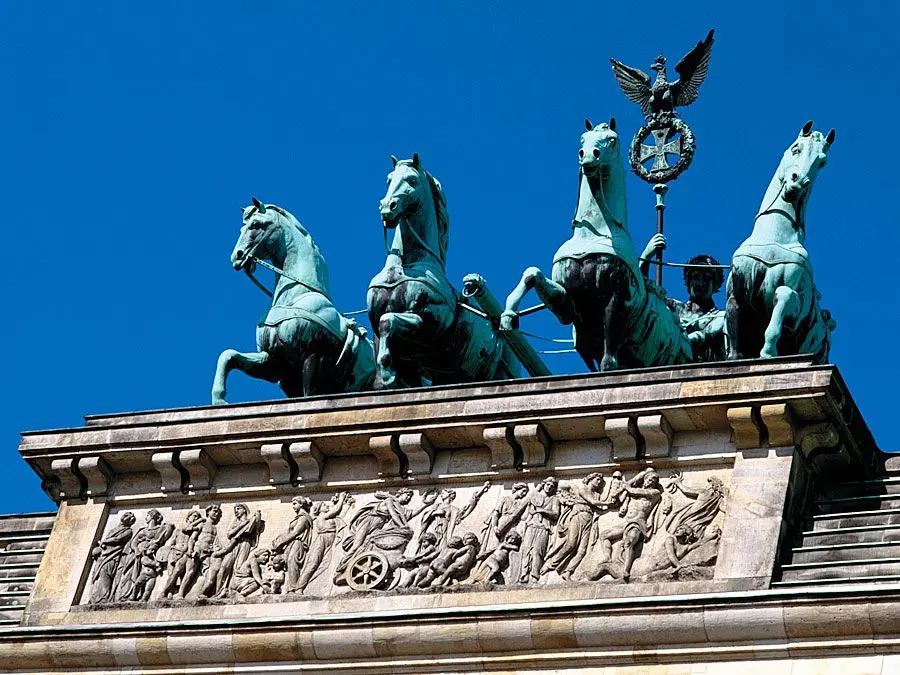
795	222
250	255
415	235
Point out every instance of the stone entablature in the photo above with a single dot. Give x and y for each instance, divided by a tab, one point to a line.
388	519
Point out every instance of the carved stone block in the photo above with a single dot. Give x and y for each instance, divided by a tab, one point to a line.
657	434
621	431
535	443
308	459
778	419
65	470
199	467
501	443
98	475
419	453
169	473
745	426
813	437
275	457
387	453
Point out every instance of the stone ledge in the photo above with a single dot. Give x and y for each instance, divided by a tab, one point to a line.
563	408
597	632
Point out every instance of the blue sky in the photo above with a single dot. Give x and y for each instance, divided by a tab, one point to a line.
134	131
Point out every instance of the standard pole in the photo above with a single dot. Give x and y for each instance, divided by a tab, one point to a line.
660	189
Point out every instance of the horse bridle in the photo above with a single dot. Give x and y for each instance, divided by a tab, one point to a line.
250	255
794	220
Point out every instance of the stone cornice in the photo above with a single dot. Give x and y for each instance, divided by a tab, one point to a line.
572	407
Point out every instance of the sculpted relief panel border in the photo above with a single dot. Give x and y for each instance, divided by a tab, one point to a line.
597	528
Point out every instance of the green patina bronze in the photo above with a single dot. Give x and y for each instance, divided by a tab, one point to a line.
303	342
421	332
773	305
700	319
619	318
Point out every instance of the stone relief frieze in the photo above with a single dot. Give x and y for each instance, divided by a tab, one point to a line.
599	528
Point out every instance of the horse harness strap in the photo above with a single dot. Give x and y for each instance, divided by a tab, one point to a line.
281	272
781	212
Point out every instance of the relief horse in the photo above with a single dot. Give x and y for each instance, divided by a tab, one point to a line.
303	342
421	332
619	318
773	305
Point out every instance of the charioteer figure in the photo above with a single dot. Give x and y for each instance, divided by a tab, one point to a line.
702	322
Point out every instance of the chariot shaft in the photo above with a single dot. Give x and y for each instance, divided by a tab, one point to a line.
474	286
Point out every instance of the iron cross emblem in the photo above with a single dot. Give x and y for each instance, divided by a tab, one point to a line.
662	147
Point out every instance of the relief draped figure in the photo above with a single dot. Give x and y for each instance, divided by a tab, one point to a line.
540	516
583	502
295	543
325	526
107	554
153	535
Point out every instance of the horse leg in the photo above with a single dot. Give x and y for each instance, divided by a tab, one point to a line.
314	380
612	332
614	318
736	318
786	310
392	325
255	364
551	294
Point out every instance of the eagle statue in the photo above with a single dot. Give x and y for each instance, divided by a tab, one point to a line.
662	97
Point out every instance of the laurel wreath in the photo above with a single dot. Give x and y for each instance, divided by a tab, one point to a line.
688	147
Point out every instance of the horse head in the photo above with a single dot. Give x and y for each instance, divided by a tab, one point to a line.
802	161
258	237
415	198
600	162
599	148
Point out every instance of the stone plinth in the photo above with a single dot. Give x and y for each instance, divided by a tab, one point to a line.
578	522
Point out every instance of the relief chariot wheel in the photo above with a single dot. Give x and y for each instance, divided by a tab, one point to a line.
672	138
368	571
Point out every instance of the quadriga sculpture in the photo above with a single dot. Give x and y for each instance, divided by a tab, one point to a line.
421	333
303	343
619	318
773	306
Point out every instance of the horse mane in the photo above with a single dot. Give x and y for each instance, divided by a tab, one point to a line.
440	209
443	215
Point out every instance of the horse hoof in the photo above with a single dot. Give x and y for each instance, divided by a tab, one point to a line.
609	363
219	400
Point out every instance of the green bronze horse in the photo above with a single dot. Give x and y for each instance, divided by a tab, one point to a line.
773	305
421	332
619	318
303	343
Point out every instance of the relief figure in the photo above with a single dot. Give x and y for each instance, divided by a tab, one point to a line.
242	535
504	518
490	569
294	543
107	554
248	576
181	554
637	524
324	531
582	502
540	516
154	534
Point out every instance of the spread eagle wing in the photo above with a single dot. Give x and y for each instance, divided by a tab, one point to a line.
692	71
635	83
